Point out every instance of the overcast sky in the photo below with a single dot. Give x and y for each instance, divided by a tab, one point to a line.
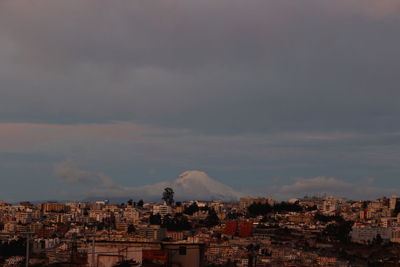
266	96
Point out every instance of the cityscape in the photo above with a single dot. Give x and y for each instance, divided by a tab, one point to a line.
199	133
309	231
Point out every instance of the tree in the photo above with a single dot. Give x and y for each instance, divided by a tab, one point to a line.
140	203
326	218
287	207
396	209
168	196
13	248
205	208
155	219
377	240
339	231
191	209
177	223
212	218
131	229
233	215
130	202
257	209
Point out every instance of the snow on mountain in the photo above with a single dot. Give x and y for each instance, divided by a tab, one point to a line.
190	185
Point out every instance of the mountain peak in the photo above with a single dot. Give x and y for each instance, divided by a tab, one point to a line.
198	184
190	185
193	175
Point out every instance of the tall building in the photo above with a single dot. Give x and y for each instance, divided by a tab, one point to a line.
53	207
152	232
393	202
162	209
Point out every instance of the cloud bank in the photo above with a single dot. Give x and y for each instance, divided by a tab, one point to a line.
330	186
256	66
197	185
69	172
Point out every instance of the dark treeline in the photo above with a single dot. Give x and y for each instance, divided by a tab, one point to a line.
13	248
338	231
325	218
258	209
176	222
193	208
181	222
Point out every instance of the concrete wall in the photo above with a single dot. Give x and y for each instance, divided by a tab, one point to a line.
107	255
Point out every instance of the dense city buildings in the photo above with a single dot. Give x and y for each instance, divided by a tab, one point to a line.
311	231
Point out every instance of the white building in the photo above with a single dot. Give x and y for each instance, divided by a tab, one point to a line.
162	209
131	215
367	234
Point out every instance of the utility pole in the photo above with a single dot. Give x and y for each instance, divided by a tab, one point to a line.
28	235
93	249
93	252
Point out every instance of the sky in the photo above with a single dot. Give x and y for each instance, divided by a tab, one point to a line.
270	97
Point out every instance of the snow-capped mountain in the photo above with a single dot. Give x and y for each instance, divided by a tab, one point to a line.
195	185
190	185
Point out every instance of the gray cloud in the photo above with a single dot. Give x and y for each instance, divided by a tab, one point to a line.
127	151
69	172
316	185
230	66
244	89
329	186
198	185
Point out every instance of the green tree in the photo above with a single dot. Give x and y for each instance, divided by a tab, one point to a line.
155	219
339	231
191	209
212	218
178	222
168	196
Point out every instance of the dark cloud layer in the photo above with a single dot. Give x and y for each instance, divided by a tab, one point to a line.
276	88
229	66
